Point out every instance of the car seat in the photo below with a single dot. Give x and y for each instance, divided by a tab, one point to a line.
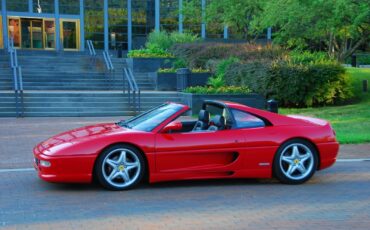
217	123
203	121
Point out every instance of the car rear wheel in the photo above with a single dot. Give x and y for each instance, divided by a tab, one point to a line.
295	162
120	167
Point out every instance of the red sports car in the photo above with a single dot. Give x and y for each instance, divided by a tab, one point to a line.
228	140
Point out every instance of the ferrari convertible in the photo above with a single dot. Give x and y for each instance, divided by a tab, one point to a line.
227	140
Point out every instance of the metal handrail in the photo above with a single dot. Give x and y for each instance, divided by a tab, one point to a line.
108	61
133	90
91	48
17	78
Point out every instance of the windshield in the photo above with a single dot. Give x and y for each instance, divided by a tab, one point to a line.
151	119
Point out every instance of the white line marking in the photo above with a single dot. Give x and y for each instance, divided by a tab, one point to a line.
17	170
353	160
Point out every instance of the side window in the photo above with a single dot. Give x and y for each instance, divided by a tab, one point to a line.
247	120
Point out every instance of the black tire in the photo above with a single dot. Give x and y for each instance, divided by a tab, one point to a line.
288	168
121	169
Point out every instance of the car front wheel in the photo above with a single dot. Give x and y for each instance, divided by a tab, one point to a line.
295	162
120	167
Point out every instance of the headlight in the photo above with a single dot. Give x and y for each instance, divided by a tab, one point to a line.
45	163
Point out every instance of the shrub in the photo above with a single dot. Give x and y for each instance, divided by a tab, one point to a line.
179	63
220	90
251	74
293	84
173	70
307	57
298	85
199	54
165	41
222	66
149	53
159	43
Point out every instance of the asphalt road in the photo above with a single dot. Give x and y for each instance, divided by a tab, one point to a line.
336	198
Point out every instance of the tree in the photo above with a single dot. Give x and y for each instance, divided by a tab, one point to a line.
341	26
236	14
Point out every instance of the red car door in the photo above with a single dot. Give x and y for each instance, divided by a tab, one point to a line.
199	154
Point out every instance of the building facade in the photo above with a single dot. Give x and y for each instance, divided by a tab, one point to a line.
67	24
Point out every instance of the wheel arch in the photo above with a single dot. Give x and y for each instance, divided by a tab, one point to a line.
146	173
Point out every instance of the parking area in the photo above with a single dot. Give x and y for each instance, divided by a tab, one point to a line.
335	198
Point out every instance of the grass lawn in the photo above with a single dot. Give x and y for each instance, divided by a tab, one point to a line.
351	122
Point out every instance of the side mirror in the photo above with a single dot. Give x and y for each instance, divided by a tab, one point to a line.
172	126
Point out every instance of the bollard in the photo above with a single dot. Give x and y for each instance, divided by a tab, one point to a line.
272	106
182	77
353	60
364	86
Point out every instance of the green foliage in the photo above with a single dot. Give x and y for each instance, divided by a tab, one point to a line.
361	59
350	122
179	63
149	53
312	84
219	90
159	43
307	57
252	74
199	54
218	80
238	15
165	41
340	25
173	70
297	82
159	40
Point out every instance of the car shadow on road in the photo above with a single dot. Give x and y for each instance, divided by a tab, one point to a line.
209	183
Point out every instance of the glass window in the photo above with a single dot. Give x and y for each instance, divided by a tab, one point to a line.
17	5
47	6
246	120
214	30
69	6
169	15
94	22
14	30
192	14
143	18
117	10
49	29
151	119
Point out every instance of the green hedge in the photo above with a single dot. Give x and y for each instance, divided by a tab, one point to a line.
199	55
218	90
294	84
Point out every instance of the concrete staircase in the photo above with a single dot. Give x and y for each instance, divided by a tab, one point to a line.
80	103
73	84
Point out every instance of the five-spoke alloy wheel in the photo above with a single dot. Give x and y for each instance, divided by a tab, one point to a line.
295	162
120	167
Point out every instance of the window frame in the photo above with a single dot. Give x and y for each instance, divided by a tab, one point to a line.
235	125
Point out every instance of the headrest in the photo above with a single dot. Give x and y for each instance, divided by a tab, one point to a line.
204	116
219	121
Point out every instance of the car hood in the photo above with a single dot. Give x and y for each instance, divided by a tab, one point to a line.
74	136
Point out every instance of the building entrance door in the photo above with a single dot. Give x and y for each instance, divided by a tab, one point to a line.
32	33
70	34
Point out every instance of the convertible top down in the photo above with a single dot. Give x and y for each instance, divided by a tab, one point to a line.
227	140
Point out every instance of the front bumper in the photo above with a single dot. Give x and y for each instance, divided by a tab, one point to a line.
68	169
